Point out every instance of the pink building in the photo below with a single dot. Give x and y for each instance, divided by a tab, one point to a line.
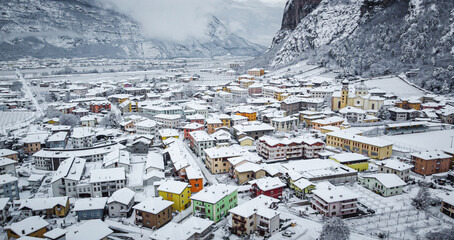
191	127
334	201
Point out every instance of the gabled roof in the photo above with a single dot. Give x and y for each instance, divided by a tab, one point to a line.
153	205
388	180
28	225
214	193
172	186
89	230
123	196
84	204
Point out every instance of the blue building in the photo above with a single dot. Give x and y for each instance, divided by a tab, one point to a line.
9	187
90	208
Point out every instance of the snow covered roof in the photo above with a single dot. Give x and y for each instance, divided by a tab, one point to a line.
195	117
388	180
248	167
168	116
335	194
37	204
154	160
67	153
71	168
431	155
222	152
6	161
449	199
349	157
268	183
172	186
214	193
107	175
302	183
350	109
395	165
28	225
3	203
193	172
123	196
260	205
213	121
121	156
55	233
58	137
153	205
90	230
192	125
6	178
182	231
84	204
6	152
253	127
329	120
201	136
82	132
147	124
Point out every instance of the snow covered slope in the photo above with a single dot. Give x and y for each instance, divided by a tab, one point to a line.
83	28
369	38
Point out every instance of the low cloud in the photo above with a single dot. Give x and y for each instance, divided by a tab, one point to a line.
170	20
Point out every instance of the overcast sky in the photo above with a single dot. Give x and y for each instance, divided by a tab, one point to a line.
176	20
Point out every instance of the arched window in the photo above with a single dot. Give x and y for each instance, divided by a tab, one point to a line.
339	104
373	105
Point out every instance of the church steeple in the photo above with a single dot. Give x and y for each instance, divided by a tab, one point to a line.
344	96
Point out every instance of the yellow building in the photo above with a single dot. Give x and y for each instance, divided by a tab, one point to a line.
168	133
248	171
353	160
217	158
250	114
360	98
246	141
177	192
302	187
226	120
256	72
375	148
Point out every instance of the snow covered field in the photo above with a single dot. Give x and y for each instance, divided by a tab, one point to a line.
422	141
394	85
14	120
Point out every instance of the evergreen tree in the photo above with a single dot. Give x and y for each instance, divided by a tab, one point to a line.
335	229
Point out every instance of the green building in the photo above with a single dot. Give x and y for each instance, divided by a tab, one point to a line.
383	183
215	201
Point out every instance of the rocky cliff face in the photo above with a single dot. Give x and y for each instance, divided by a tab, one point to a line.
82	28
369	37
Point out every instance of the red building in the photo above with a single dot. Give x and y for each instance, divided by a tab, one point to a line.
97	107
191	127
196	118
428	163
268	186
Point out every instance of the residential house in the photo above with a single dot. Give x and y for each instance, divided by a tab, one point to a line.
105	182
58	140
302	187
147	127
168	133
226	120
193	228
272	148
99	106
29	227
67	176
4	210
238	120
47	207
8	166
92	229
385	184
199	141
285	124
82	137
334	201
195	178
247	171
268	186
153	212
7	153
212	124
177	192
428	163
217	158
168	120
447	205
88	121
196	118
331	121
34	142
90	208
258	214
9	187
401	169
254	130
120	203
191	127
215	201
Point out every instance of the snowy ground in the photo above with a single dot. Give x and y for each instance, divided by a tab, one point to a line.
15	120
394	85
422	141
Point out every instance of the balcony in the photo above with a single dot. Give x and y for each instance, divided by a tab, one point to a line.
348	209
351	202
319	200
238	219
320	206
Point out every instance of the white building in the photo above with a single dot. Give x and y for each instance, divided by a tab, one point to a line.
67	177
285	124
401	169
105	182
120	203
352	114
117	159
147	127
82	137
168	120
7	166
201	140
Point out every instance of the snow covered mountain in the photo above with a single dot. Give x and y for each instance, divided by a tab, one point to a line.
83	28
369	37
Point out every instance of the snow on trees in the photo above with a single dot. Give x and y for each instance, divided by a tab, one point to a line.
423	199
69	119
335	229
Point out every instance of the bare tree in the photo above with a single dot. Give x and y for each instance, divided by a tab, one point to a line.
69	119
335	229
422	199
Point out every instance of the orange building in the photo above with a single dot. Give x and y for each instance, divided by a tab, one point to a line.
428	163
408	104
97	107
213	124
195	177
250	114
